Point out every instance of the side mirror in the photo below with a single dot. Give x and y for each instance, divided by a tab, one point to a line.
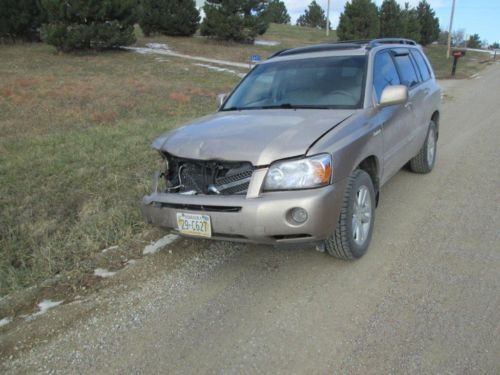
392	95
220	100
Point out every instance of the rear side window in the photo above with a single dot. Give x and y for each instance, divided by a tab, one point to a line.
422	65
408	74
384	73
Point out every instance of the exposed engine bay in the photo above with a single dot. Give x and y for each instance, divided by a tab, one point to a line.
191	177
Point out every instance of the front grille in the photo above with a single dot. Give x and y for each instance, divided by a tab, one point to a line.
187	176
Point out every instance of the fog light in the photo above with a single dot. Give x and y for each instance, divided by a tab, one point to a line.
298	215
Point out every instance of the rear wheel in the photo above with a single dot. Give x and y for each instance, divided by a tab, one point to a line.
355	226
424	161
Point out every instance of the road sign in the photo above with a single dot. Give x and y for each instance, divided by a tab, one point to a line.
255	58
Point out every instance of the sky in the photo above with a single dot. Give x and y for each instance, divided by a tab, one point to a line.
475	16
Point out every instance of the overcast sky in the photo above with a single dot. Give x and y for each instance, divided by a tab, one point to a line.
475	16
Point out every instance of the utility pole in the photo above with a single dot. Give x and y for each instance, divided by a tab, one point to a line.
448	53
328	19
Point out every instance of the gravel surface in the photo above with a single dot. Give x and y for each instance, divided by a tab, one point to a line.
425	299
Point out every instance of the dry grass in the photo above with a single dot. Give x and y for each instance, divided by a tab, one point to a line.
75	157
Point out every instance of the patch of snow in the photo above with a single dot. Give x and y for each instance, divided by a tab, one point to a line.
110	248
162	49
131	262
160	244
101	272
217	69
261	42
46	305
157	46
5	321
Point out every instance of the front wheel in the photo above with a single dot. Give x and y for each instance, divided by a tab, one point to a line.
355	226
424	161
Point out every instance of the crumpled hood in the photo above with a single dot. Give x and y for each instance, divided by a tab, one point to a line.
257	136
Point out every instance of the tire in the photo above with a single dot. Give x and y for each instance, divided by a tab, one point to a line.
345	242
424	161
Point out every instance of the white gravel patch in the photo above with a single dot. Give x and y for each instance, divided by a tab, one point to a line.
101	272
5	321
218	69
160	244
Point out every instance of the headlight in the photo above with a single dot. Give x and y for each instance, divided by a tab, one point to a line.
306	173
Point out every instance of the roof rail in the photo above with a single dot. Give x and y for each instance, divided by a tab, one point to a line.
376	42
343	45
317	48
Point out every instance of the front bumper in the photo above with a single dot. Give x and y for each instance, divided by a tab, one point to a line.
263	219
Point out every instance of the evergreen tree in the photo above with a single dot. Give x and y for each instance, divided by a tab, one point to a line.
276	12
314	16
495	45
91	24
359	21
474	41
20	19
411	24
391	20
237	20
429	23
169	17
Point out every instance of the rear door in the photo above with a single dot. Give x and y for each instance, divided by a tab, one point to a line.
410	77
424	105
396	121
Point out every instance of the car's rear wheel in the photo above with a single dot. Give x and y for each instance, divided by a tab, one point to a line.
424	161
355	226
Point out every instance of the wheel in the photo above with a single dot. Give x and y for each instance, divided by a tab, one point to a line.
426	157
355	226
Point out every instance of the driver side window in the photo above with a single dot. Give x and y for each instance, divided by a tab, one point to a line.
384	73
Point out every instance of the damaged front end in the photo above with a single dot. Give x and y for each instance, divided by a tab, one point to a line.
212	177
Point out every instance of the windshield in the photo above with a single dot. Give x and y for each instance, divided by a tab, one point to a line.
326	82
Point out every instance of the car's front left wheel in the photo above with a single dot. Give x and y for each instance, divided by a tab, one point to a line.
355	226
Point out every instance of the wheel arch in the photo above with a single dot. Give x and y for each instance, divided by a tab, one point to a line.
435	118
371	165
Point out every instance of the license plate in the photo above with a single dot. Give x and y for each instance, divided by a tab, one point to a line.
194	225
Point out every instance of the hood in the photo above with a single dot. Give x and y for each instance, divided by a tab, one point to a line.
257	136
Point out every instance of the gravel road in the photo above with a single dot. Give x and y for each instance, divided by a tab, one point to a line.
425	298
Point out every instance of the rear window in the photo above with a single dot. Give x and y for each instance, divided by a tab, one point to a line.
422	65
407	71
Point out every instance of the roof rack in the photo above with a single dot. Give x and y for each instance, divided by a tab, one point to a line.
343	45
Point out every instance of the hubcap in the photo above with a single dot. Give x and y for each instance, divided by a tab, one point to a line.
361	215
431	147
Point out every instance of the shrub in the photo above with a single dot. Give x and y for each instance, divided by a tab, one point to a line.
276	12
237	20
359	21
20	19
84	25
169	17
314	16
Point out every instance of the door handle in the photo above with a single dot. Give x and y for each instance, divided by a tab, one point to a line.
408	105
376	132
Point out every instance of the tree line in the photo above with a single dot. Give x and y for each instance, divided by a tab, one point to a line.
102	24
